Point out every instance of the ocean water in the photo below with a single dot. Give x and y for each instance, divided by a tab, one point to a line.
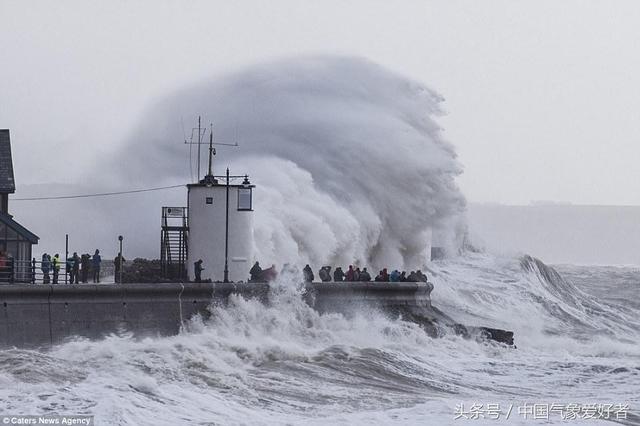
576	332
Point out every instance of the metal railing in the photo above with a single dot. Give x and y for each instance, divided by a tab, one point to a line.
33	272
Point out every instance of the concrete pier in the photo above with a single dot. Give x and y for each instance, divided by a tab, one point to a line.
42	315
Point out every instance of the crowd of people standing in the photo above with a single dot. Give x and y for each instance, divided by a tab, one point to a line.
78	267
354	274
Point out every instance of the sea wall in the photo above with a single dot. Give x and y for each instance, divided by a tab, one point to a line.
42	315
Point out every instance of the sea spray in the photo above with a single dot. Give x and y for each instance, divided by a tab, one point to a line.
349	162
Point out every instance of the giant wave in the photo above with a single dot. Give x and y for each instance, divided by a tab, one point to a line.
349	163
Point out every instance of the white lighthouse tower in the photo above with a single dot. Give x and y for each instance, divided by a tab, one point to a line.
220	218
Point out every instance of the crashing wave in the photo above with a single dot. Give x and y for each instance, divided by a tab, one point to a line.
350	163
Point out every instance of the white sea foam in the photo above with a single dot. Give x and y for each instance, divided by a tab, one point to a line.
286	363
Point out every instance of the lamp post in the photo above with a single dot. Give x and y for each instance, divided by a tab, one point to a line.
226	236
66	257
120	238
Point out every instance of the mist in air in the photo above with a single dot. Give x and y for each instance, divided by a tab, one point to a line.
349	162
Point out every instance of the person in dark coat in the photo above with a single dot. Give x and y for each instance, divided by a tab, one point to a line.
85	262
325	273
350	275
421	277
338	275
308	274
45	266
76	267
413	278
403	276
364	275
68	266
322	274
118	264
385	275
95	263
73	263
356	274
328	269
256	272
197	270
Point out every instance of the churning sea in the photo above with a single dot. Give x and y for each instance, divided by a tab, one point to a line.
577	359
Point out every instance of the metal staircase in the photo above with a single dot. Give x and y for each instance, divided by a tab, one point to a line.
173	243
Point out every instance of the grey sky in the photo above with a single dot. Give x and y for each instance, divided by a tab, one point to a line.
543	98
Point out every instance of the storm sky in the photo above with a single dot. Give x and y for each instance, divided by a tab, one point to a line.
543	99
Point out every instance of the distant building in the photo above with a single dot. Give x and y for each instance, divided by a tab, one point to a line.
15	240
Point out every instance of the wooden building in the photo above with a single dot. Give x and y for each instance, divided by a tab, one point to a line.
15	240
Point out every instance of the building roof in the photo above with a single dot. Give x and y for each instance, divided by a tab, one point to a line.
24	232
218	185
7	183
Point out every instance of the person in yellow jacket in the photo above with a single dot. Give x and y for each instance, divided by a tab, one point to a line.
55	266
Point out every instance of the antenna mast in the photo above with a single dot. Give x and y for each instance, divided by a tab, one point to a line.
199	142
209	178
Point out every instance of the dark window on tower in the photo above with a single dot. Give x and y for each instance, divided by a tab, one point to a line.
209	200
245	199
